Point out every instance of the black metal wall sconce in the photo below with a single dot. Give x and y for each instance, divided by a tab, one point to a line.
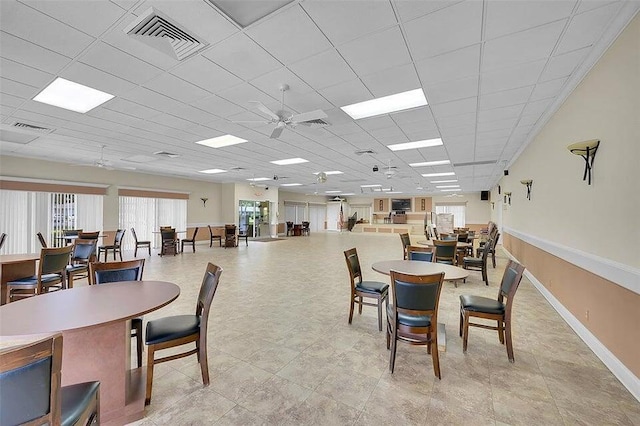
507	196
204	201
586	150
529	184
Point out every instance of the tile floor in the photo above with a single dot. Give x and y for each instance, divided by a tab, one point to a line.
281	351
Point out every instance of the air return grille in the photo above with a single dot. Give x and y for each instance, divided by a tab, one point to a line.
32	127
158	31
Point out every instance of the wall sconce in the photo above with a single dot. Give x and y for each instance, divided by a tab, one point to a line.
507	194
529	184
204	201
493	205
586	150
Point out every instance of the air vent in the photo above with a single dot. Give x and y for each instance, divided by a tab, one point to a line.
365	151
166	154
32	127
158	31
237	169
318	121
476	163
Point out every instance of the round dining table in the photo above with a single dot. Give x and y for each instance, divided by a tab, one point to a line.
429	243
95	322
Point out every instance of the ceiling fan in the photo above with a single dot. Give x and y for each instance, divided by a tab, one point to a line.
101	162
285	119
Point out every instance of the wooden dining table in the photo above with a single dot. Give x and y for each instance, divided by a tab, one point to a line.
14	266
417	267
95	322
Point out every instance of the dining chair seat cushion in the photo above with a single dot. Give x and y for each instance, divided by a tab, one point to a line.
74	268
34	279
410	320
481	304
75	398
372	286
474	260
171	328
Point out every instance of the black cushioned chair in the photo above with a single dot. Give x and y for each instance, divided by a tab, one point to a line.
169	242
479	263
115	247
406	242
84	252
52	275
43	242
30	392
191	241
424	254
492	250
491	309
230	238
364	289
131	270
214	237
445	251
413	316
179	330
139	243
289	228
306	230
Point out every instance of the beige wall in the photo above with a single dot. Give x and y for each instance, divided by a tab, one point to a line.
596	227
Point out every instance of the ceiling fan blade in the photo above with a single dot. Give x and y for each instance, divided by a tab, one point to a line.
260	106
277	131
308	116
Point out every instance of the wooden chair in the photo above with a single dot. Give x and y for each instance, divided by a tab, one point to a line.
115	247
139	243
289	228
422	253
305	228
89	235
51	275
191	241
43	242
3	238
214	237
491	309
413	316
406	242
131	270
84	252
445	251
169	242
364	289
30	377
478	264
492	250
230	239
180	330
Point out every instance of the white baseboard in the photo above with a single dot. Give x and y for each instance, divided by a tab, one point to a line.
626	376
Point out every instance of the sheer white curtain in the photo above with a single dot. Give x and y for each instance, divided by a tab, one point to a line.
14	221
317	217
148	214
89	212
457	210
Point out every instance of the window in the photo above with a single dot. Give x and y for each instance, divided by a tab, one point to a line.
149	214
457	210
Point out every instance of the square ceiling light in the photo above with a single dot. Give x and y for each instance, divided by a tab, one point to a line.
290	184
447	186
444	181
212	171
430	163
289	161
386	104
427	143
260	179
221	141
370	186
72	96
246	12
438	174
451	190
334	172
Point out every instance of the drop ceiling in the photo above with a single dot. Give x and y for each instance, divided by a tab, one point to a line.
492	72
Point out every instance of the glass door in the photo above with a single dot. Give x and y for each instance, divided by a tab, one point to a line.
253	218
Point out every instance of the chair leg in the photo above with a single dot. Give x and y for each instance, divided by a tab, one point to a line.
353	301
149	247
139	344
465	332
150	359
461	322
380	314
194	246
135	251
501	332
484	275
119	253
493	259
360	307
509	342
202	354
394	341
434	354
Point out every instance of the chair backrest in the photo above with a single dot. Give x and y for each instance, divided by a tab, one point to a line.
168	235
424	254
3	238
195	232
135	237
495	241
54	260
83	250
486	249
30	377
445	251
305	225
164	228
118	238
448	237
510	283
463	237
43	242
353	265
110	272
89	235
406	242
417	294
210	231
229	230
205	296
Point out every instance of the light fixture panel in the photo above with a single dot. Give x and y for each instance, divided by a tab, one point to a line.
415	145
222	141
386	104
72	96
289	161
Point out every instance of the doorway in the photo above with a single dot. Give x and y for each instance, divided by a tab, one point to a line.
253	218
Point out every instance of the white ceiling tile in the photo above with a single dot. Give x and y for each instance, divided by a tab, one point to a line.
511	78
306	102
289	35
500	113
270	84
505	98
20	90
505	17
420	129
120	64
392	80
493	135
243	57
25	74
10	100
347	20
548	90
217	106
130	108
176	88
586	5
74	12
30	54
414	115
454	65
457	120
460	106
97	79
527	120
376	52
465	129
374	123
323	70
447	29
525	46
193	114
346	93
409	9
563	65
205	74
586	28
537	107
42	30
153	99
109	115
345	129
452	90
508	123
243	93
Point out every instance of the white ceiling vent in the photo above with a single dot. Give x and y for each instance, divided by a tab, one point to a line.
166	154
158	31
365	151
32	127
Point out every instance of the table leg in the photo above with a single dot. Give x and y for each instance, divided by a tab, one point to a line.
13	271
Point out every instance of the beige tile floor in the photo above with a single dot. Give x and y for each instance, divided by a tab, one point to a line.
281	351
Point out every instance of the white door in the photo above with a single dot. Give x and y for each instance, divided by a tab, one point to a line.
317	217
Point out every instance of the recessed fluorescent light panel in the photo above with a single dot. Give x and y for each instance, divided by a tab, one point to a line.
438	174
448	186
72	96
370	186
430	163
444	181
334	172
258	179
394	192
291	184
221	141
450	190
387	104
332	192
212	171
348	193
415	145
289	161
